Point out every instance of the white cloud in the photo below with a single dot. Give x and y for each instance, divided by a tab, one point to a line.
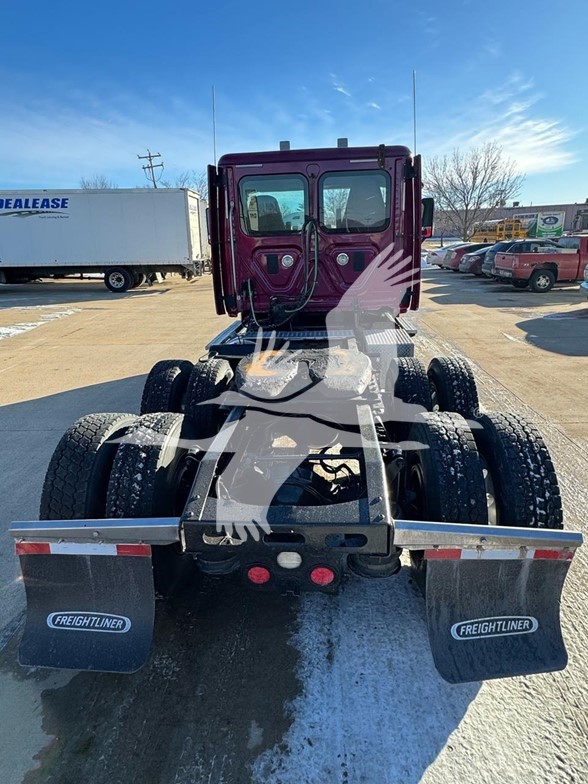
374	105
508	114
338	86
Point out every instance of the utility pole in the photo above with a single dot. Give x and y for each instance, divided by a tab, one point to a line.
150	167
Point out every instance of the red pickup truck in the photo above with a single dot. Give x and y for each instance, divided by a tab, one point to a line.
527	263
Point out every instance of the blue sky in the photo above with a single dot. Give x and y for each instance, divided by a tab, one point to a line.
86	87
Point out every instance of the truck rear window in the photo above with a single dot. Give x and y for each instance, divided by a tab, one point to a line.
273	204
352	202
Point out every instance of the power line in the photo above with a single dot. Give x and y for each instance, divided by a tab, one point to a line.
149	168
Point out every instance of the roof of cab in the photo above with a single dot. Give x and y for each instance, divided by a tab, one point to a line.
317	154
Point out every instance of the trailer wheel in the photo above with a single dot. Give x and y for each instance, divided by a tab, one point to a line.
443	481
453	386
525	483
208	380
139	279
77	477
118	279
407	379
165	386
542	281
149	479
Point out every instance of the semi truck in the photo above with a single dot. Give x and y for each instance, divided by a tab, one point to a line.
125	234
539	267
306	446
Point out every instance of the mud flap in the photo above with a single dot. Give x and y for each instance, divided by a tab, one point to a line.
495	618
89	606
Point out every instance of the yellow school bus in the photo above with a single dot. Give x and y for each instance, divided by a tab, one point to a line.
497	230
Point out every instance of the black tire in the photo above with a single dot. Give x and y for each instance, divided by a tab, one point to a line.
165	386
453	386
146	481
520	284
79	471
139	279
208	380
118	279
443	482
542	281
407	379
451	485
525	484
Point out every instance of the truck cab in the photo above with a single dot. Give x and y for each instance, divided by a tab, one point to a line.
293	230
540	264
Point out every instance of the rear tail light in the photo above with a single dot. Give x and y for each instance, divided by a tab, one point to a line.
322	575
258	575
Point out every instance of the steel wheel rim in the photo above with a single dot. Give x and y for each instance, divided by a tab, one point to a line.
542	281
117	280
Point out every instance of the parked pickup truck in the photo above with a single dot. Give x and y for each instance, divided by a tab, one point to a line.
539	267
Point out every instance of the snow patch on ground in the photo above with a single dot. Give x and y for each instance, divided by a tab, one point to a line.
44	318
372	706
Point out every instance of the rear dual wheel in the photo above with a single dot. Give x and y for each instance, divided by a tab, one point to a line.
151	476
165	386
121	465
177	385
500	473
119	279
77	477
453	386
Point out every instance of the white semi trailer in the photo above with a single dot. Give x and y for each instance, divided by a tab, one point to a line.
126	234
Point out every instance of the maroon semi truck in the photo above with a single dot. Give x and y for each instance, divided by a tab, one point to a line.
306	445
540	267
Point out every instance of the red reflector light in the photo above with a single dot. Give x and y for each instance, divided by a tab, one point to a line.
133	549
322	575
258	575
33	548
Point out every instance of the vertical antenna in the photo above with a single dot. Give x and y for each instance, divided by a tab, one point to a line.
414	111
214	124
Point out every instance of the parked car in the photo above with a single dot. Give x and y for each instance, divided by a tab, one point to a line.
489	268
584	286
453	258
539	267
472	262
437	256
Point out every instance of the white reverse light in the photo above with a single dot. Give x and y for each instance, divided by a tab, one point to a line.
342	259
287	261
289	560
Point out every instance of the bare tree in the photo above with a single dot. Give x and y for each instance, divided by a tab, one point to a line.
334	202
96	183
469	186
191	178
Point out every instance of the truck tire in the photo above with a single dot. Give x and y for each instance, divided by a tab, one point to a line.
407	379
165	386
453	386
526	490
445	478
139	279
79	471
118	279
520	284
145	481
208	380
542	281
444	481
